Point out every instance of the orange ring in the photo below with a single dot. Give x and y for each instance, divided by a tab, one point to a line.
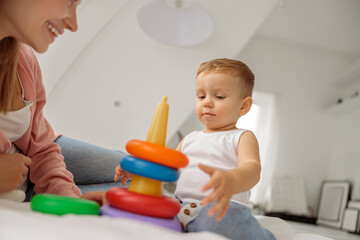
157	153
164	207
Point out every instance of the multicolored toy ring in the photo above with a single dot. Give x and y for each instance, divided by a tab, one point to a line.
164	207
147	169
60	205
157	153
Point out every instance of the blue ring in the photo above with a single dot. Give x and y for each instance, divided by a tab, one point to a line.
148	169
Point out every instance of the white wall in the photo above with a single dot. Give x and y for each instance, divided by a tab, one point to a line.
299	77
345	160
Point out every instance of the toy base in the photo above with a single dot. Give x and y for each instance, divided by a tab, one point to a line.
170	223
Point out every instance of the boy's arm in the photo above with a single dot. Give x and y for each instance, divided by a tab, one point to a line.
227	183
248	171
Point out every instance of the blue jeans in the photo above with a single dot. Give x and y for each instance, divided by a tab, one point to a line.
93	167
238	223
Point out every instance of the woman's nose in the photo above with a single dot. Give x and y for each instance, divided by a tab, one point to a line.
71	21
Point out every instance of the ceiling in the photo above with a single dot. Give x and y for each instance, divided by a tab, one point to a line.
111	72
331	25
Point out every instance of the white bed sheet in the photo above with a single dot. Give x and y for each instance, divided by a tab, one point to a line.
17	221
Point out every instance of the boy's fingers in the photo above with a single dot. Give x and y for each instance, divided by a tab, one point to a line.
117	170
208	185
211	197
128	175
223	210
116	178
220	208
222	213
214	182
216	208
205	201
212	211
124	180
207	169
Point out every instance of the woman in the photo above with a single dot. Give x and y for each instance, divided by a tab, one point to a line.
29	148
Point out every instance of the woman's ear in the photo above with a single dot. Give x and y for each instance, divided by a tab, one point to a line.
246	105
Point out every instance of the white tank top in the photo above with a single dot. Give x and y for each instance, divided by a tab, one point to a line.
14	125
218	150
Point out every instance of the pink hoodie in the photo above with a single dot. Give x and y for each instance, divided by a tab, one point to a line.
47	170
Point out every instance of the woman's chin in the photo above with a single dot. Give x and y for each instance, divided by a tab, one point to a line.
40	48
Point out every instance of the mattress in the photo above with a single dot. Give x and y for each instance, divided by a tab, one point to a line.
18	221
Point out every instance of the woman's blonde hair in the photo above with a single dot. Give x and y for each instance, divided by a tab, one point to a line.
9	54
232	67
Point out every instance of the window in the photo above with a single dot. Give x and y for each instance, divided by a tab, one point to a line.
261	120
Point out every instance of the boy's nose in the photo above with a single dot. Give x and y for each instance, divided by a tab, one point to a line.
208	103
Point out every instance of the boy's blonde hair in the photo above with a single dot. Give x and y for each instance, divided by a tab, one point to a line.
233	67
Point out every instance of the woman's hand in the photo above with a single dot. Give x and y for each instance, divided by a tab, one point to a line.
13	167
97	196
121	173
223	184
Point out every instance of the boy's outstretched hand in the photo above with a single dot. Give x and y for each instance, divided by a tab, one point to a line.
223	182
121	173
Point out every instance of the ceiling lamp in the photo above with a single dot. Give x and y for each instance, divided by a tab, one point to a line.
175	22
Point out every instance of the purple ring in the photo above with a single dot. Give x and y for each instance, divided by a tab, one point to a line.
170	223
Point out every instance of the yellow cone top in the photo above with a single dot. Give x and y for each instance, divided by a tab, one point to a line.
158	127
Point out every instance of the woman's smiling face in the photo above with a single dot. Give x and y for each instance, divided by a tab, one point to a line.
37	22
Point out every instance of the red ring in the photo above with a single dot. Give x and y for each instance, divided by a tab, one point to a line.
164	207
157	153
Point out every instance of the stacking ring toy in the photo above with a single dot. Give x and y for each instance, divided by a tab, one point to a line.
147	169
157	153
170	223
60	205
163	207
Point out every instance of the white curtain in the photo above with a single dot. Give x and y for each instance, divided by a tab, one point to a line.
262	120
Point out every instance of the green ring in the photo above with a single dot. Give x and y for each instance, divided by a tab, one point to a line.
60	205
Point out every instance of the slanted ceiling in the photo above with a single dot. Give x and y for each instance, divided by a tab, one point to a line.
104	82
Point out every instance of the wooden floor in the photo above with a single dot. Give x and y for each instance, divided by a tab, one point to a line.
333	233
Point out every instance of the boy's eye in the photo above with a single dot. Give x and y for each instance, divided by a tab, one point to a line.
220	97
201	96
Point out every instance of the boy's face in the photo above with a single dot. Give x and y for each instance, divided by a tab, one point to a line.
218	101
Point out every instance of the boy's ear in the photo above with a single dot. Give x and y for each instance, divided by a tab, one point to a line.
246	105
